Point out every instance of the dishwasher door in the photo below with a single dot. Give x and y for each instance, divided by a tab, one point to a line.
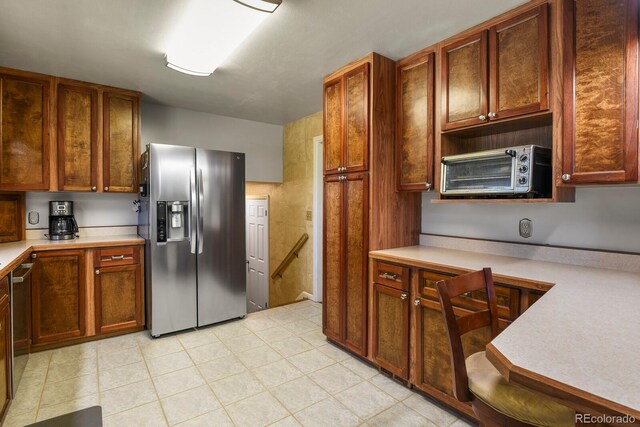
20	320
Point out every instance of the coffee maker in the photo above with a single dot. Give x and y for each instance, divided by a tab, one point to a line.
62	224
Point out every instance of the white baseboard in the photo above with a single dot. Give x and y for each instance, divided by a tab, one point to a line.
304	295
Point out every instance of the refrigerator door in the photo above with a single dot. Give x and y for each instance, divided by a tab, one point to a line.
222	293
172	286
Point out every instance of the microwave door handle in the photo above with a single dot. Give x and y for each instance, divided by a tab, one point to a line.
193	208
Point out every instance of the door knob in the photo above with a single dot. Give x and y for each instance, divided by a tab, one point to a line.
428	186
416	302
482	117
566	177
94	188
492	115
97	271
403	296
106	188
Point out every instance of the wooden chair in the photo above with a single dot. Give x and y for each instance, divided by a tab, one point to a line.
494	400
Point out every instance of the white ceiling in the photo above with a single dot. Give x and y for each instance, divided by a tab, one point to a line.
276	74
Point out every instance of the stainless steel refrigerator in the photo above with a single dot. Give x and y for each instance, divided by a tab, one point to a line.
192	216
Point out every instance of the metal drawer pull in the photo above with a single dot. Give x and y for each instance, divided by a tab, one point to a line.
467	294
403	296
389	276
116	257
20	279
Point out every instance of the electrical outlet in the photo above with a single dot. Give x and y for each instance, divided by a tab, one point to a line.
309	216
526	228
34	217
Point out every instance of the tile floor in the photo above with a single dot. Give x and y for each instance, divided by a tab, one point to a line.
271	368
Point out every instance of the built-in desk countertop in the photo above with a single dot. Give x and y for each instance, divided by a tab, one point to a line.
580	342
12	254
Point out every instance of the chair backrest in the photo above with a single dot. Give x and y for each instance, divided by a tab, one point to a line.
458	326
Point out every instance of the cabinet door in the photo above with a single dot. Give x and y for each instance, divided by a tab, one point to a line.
600	143
332	257
519	62
432	356
24	133
391	329
5	357
58	296
356	139
77	138
118	296
464	82
355	260
414	142
12	217
120	138
333	126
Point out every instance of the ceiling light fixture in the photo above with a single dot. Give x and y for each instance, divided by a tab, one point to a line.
262	5
211	30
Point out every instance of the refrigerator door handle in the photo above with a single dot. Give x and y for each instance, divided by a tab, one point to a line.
193	208
200	212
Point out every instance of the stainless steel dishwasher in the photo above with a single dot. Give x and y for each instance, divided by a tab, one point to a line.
20	320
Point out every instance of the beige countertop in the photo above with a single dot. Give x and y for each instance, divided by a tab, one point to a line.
584	333
11	254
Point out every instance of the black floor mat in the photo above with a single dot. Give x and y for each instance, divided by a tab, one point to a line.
89	417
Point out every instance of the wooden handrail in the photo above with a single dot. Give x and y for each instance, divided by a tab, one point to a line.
293	252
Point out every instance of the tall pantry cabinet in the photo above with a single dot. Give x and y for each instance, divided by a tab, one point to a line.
362	209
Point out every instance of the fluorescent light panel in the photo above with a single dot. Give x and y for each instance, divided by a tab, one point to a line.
263	5
208	33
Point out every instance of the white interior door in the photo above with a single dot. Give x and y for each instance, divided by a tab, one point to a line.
257	254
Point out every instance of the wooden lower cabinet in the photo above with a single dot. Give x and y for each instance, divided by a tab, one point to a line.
58	296
391	329
346	201
118	298
408	333
81	293
5	347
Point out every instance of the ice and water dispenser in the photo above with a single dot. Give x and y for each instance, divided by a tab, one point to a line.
173	221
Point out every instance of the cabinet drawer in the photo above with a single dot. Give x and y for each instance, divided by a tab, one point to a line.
394	276
507	298
117	256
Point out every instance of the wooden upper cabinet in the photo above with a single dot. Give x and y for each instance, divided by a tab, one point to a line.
519	65
77	138
58	296
12	217
600	143
464	82
497	73
391	329
120	142
333	126
24	131
415	127
356	141
346	122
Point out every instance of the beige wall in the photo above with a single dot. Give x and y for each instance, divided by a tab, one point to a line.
288	206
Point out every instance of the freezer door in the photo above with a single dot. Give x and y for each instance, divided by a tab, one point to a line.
172	286
222	288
